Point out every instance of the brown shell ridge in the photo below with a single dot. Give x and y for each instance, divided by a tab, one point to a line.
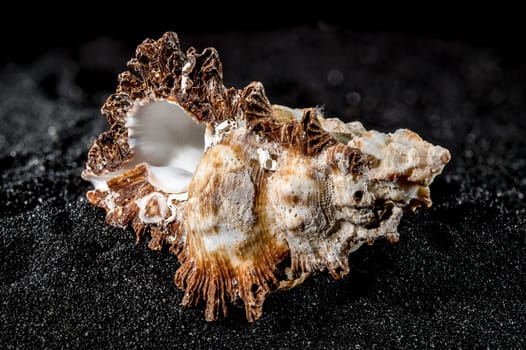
209	278
305	136
159	70
121	208
125	189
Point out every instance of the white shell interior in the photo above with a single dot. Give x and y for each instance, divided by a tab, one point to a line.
167	139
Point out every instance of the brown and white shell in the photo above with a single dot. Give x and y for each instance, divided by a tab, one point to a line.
251	197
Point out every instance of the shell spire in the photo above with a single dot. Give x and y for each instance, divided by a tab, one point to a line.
251	197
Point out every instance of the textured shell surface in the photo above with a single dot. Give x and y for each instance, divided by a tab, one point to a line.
252	198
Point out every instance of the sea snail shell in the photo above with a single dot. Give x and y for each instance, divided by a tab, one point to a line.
251	197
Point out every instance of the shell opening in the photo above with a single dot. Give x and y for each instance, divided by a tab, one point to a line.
164	136
167	139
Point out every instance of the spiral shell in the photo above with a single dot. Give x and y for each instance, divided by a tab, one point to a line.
251	197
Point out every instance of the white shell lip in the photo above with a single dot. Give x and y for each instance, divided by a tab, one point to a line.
166	138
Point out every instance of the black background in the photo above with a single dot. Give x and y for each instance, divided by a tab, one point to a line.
455	279
33	29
